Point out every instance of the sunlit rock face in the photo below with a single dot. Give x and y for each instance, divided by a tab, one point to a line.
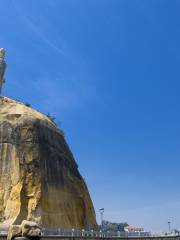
39	178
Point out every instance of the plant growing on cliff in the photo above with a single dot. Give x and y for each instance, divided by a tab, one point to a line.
51	117
27	104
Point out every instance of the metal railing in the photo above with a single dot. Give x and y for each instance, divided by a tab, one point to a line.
75	233
91	233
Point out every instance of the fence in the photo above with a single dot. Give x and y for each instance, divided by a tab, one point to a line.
59	233
91	233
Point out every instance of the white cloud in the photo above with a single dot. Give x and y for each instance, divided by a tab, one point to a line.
36	29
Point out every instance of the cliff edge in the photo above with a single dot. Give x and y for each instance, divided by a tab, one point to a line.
39	178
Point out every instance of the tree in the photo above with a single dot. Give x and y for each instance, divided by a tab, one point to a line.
113	226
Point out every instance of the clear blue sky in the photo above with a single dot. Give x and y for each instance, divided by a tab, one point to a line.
109	71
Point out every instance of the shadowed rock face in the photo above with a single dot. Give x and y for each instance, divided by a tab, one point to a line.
39	178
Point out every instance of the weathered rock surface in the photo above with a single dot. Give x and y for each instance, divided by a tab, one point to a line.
27	230
39	178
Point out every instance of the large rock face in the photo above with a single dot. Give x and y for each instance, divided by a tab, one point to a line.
39	178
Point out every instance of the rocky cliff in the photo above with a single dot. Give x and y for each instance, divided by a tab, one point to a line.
39	178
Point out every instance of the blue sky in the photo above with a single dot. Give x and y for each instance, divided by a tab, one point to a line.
108	70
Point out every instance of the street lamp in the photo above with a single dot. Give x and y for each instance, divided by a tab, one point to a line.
169	226
101	210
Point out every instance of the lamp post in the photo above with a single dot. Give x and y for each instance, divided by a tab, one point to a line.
169	226
101	210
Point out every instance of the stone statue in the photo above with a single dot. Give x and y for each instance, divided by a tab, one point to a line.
2	68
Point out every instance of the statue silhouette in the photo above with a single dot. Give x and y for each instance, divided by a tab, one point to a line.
2	68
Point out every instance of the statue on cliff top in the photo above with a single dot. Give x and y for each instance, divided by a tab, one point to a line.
2	68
